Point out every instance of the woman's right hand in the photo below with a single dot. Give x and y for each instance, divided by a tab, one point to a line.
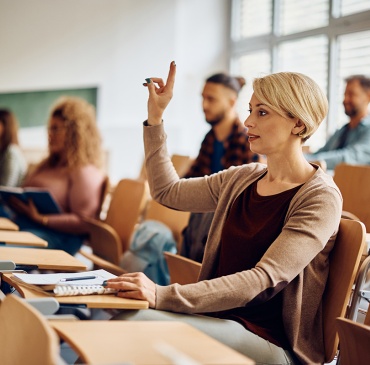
160	95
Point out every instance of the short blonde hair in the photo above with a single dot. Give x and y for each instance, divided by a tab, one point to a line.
295	95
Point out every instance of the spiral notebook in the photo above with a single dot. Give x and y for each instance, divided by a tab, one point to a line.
67	284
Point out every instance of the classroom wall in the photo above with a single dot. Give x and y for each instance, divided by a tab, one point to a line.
115	45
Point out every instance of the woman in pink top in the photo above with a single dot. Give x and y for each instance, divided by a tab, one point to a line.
71	173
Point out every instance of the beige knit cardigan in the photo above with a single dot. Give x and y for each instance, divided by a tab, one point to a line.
297	260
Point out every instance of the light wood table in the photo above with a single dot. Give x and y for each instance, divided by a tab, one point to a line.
44	259
8	225
22	238
142	343
103	301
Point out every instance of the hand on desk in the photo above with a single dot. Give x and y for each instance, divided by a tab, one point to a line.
134	286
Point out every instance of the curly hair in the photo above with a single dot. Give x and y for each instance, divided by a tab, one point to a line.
83	140
10	134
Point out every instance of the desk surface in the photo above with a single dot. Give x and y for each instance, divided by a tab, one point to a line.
136	342
21	238
8	225
91	301
44	259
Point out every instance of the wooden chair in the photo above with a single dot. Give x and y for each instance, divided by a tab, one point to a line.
105	192
182	270
344	261
367	318
354	342
181	163
359	293
176	220
353	182
110	238
25	335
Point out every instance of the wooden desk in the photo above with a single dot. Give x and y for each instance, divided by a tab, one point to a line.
136	342
44	259
7	225
91	301
22	238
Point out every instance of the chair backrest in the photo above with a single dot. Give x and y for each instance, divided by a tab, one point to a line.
182	270
344	261
367	318
353	182
105	188
25	335
125	207
174	219
110	237
181	163
354	342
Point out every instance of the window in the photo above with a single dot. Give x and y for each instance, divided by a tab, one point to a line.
250	24
328	40
353	6
251	65
314	12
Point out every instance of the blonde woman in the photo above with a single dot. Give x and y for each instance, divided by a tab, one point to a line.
266	261
71	173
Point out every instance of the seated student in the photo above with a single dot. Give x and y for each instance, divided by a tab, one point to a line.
71	173
226	144
266	261
13	165
351	143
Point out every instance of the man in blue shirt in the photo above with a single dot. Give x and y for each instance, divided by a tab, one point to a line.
351	143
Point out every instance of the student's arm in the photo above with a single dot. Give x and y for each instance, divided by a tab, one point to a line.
357	150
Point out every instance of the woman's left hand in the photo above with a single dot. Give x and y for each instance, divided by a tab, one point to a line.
134	285
28	210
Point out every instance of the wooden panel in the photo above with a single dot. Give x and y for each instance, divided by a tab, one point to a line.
44	259
22	238
140	343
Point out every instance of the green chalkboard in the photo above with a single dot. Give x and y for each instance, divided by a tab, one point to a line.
32	108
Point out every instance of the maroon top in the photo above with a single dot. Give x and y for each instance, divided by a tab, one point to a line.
252	225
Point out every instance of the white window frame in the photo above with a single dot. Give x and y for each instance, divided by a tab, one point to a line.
337	26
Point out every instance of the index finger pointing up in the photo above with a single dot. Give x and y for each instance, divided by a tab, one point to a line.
171	75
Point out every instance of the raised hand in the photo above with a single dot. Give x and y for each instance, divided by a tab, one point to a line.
160	94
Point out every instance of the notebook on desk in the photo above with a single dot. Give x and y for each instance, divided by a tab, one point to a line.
67	284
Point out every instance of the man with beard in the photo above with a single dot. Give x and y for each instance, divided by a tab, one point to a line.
225	145
351	143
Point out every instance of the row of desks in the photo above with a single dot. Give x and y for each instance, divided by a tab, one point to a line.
10	234
110	341
56	260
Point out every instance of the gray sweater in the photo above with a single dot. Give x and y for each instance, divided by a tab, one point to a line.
13	166
297	261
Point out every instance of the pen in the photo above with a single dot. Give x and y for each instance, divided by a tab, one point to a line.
78	278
